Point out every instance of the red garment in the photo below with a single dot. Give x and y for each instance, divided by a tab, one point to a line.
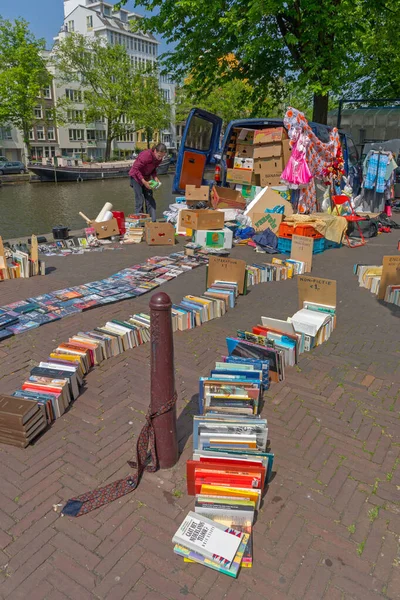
145	166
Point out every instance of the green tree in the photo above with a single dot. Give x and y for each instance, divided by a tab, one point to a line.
155	111
23	75
112	87
316	44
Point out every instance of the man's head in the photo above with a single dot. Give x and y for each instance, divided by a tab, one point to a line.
160	151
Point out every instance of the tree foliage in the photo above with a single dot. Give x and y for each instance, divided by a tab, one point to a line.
23	75
322	46
113	88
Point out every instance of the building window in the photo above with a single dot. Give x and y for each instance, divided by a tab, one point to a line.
91	135
166	94
38	112
135	44
32	134
47	92
5	133
71	26
51	134
49	114
112	38
100	135
107	11
76	135
143	136
75	116
40	132
89	22
74	95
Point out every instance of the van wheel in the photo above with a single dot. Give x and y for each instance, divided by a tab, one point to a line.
22	171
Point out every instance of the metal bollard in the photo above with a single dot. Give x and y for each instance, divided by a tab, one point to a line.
163	379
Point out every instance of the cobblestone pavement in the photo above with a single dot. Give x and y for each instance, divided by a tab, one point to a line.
330	523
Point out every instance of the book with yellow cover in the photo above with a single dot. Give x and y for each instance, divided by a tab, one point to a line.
218	490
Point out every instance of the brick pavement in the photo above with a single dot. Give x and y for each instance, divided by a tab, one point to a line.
330	523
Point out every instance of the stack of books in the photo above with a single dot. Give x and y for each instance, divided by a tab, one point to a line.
21	421
315	322
229	468
277	270
133	235
392	295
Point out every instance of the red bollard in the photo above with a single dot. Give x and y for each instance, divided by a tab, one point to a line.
163	379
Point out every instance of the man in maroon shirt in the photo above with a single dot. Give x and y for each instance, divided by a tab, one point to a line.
142	171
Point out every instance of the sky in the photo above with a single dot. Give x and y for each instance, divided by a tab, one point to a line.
46	16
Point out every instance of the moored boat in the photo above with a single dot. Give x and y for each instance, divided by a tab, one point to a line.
74	170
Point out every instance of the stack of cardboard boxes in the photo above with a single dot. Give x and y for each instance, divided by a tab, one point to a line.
205	225
260	157
271	152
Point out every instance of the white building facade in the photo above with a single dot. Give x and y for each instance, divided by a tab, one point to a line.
91	18
97	18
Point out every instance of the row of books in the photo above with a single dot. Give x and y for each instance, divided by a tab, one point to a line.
193	311
229	469
369	276
277	270
21	316
392	294
20	265
56	382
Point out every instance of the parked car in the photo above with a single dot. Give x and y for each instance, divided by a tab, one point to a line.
9	168
202	148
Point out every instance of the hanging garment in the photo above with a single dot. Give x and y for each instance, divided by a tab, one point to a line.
297	172
376	164
324	161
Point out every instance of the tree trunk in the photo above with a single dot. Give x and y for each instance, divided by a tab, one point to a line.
27	144
148	133
320	108
108	148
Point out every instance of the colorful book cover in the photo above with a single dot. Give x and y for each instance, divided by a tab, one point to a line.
232	570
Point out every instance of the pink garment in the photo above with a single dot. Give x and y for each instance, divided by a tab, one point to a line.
297	172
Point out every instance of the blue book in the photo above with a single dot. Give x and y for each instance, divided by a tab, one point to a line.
258	364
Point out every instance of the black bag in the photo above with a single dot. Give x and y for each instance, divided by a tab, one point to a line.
369	228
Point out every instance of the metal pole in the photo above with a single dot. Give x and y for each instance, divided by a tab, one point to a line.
162	379
339	114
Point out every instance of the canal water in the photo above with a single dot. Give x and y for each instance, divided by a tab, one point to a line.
28	208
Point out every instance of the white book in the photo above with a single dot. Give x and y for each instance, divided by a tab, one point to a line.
208	538
309	321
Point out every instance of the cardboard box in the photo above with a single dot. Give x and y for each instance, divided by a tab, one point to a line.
227	269
267	198
106	229
249	192
197	194
269	179
214	239
262	221
268	136
271	158
245	137
160	234
200	219
243	163
244	151
239	176
222	197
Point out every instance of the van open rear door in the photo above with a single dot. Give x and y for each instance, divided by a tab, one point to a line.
200	141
